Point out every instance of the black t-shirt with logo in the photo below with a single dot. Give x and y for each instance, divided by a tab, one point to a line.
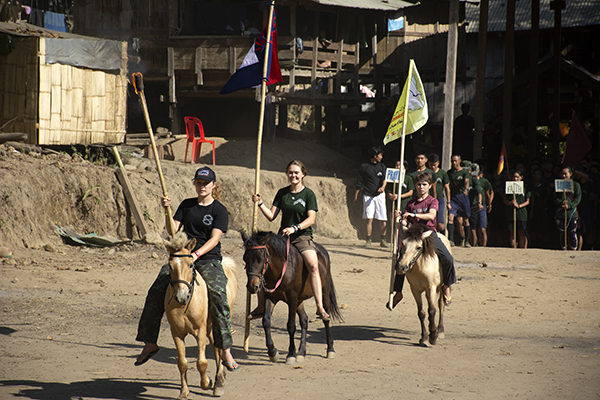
198	222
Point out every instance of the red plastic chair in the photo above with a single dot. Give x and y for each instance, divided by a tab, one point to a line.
190	124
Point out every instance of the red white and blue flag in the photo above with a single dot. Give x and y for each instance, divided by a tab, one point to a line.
251	70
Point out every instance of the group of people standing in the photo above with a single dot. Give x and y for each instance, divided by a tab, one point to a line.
473	205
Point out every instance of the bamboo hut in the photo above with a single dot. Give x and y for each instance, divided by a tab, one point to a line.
62	89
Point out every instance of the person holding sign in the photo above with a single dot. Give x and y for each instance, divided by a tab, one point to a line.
371	179
423	210
298	206
518	202
566	203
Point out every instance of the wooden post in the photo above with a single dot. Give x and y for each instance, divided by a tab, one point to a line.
566	242
480	80
509	54
450	84
515	223
533	78
557	6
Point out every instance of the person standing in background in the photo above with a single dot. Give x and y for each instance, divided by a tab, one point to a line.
442	190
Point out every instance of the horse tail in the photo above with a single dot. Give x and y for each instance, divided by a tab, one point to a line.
334	309
230	269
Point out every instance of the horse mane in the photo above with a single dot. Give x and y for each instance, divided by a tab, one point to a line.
277	243
177	242
415	232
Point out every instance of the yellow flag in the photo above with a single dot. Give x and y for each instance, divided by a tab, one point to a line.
412	104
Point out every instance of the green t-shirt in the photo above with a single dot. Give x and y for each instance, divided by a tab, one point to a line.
407	186
521	212
294	208
457	180
440	178
486	186
475	189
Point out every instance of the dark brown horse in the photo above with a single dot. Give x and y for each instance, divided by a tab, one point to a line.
276	266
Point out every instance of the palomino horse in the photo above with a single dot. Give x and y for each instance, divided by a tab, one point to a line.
276	266
186	304
421	265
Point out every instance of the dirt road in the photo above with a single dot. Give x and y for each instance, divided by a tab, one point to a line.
522	324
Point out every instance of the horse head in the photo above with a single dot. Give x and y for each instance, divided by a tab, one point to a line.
183	273
417	241
256	258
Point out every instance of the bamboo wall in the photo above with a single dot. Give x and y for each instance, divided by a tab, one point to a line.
59	104
79	105
18	80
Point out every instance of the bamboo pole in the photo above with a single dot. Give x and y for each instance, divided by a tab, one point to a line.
515	222
258	155
564	199
402	174
138	84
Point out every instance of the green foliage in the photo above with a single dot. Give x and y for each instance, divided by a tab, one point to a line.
147	216
89	193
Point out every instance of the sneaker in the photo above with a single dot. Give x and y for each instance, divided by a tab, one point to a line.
384	243
467	244
368	243
451	243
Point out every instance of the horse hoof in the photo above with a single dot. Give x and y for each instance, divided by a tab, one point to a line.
423	343
300	359
274	358
441	335
218	391
205	385
331	354
290	360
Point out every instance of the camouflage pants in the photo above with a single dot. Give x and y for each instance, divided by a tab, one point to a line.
216	283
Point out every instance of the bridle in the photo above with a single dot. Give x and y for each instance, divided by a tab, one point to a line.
266	263
414	259
190	285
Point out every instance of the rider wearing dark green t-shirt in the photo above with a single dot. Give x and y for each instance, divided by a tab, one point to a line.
294	208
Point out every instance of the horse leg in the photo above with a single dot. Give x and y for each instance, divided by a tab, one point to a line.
432	311
219	386
202	363
266	323
182	364
303	331
329	338
291	328
441	307
421	314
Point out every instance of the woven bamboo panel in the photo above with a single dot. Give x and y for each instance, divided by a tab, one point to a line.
80	106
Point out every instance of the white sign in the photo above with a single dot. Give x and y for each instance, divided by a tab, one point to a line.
515	187
563	185
392	175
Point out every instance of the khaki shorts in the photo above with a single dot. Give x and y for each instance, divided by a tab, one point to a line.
303	243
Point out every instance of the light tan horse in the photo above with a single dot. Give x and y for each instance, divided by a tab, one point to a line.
186	305
420	263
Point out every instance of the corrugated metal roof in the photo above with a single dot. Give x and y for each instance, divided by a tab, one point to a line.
389	5
577	13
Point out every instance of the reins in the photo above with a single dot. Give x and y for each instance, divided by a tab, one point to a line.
415	258
266	263
190	286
